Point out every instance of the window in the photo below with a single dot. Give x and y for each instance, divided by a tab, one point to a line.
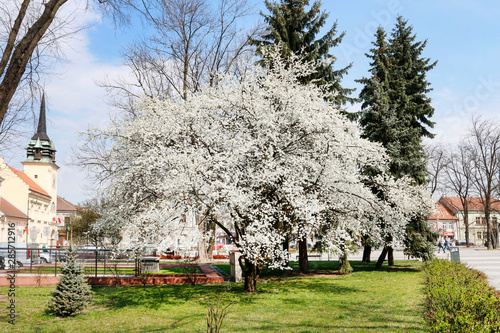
480	220
479	235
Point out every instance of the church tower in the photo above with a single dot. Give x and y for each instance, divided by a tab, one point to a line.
40	164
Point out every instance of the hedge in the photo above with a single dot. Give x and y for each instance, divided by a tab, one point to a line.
458	299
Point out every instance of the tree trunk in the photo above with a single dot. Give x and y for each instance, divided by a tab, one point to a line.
488	226
303	260
344	265
390	256
252	273
286	247
202	251
211	241
21	54
466	223
381	258
367	249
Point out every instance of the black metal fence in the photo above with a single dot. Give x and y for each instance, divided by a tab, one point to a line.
47	261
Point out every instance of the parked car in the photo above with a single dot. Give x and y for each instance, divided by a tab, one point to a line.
463	242
218	246
26	254
50	255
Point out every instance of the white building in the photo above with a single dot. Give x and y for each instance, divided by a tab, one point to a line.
449	221
29	197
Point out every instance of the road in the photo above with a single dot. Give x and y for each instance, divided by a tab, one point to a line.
478	258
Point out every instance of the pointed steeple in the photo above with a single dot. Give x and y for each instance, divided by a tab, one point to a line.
41	148
41	132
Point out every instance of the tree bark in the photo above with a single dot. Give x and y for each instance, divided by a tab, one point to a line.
344	265
211	227
252	273
381	258
367	250
303	260
286	247
390	256
202	251
21	54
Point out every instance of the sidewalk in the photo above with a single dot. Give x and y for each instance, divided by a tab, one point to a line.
481	259
478	258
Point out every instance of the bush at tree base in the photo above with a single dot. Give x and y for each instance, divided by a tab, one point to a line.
72	294
458	299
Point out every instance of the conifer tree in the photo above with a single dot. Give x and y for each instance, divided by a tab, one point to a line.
296	29
396	112
72	294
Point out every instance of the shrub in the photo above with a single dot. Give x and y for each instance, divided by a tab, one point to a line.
72	294
458	299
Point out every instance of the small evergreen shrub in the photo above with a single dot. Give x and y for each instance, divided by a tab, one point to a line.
458	299
72	294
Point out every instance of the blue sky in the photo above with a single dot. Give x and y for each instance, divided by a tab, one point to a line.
463	36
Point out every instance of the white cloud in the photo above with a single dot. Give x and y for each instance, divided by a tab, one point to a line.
74	101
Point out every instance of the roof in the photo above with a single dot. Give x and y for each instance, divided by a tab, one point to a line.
32	185
64	205
473	203
9	209
443	213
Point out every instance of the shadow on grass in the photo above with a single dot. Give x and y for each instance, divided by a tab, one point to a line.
154	296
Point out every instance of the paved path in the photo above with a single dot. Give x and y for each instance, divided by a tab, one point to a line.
486	261
478	258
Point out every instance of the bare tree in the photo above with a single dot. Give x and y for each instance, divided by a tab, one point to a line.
27	27
458	172
436	164
484	143
192	41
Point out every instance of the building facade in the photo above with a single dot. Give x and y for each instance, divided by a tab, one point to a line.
450	220
29	197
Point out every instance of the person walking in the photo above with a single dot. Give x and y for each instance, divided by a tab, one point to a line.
441	245
446	244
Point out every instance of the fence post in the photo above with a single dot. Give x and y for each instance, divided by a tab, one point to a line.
55	262
95	262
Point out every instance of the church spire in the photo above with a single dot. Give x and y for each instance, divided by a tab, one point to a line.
41	132
41	148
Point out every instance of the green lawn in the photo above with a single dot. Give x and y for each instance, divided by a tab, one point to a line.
364	301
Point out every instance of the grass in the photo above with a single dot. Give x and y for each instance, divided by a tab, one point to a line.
180	270
364	301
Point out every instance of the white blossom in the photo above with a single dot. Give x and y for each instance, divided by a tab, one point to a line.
262	147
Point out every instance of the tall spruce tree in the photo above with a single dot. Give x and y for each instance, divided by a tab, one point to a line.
296	29
396	112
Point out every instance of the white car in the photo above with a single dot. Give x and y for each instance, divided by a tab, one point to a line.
26	254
